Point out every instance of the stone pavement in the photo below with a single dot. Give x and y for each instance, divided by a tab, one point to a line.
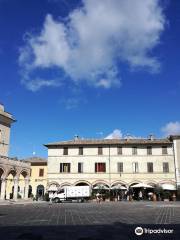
88	221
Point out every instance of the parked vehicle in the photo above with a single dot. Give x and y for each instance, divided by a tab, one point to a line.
70	193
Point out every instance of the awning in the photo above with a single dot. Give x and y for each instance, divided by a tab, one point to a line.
168	187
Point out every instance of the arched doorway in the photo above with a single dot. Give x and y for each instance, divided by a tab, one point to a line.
40	192
22	184
30	191
1	174
10	184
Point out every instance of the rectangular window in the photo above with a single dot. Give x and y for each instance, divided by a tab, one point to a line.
41	172
134	151
100	151
164	150
149	150
135	167
80	150
65	151
80	167
120	167
149	167
65	167
165	167
100	167
119	150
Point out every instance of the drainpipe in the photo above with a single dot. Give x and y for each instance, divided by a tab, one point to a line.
109	168
176	178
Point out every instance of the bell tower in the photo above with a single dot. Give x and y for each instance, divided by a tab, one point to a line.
6	120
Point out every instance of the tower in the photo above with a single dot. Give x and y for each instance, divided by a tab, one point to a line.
6	120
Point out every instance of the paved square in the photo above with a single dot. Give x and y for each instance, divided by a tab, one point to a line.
87	221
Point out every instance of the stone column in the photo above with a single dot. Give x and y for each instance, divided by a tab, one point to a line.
3	188
26	188
16	182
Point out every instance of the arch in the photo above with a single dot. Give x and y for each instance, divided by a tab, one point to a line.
82	183
13	172
40	191
24	173
2	172
119	182
53	183
151	183
65	184
100	182
167	181
134	182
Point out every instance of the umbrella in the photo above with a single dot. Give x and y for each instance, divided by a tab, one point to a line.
141	185
168	187
118	186
100	186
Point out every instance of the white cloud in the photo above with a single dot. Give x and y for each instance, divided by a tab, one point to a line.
36	84
116	134
94	38
171	128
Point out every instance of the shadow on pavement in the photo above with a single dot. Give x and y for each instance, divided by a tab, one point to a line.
116	231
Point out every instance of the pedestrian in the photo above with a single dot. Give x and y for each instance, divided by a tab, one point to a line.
140	195
98	198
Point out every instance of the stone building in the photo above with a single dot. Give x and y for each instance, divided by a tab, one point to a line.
110	162
14	174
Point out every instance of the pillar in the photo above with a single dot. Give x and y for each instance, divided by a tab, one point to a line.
3	188
16	181
26	188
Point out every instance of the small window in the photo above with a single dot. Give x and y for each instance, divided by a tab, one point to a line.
149	150
165	167
100	151
61	190
119	150
134	151
80	150
65	167
65	151
164	150
100	167
80	167
135	167
149	167
41	172
120	167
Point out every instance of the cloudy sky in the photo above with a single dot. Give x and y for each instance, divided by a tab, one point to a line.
97	69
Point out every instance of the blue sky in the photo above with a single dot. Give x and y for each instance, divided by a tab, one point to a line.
89	68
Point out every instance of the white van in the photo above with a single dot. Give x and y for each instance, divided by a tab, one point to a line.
70	193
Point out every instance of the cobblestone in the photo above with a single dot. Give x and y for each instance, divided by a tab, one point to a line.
85	221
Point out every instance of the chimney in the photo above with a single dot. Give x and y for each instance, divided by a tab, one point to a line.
151	137
76	137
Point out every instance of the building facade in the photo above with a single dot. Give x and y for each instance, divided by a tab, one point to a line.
38	177
114	161
14	174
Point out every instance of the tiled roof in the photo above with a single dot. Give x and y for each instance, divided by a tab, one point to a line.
36	160
133	141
